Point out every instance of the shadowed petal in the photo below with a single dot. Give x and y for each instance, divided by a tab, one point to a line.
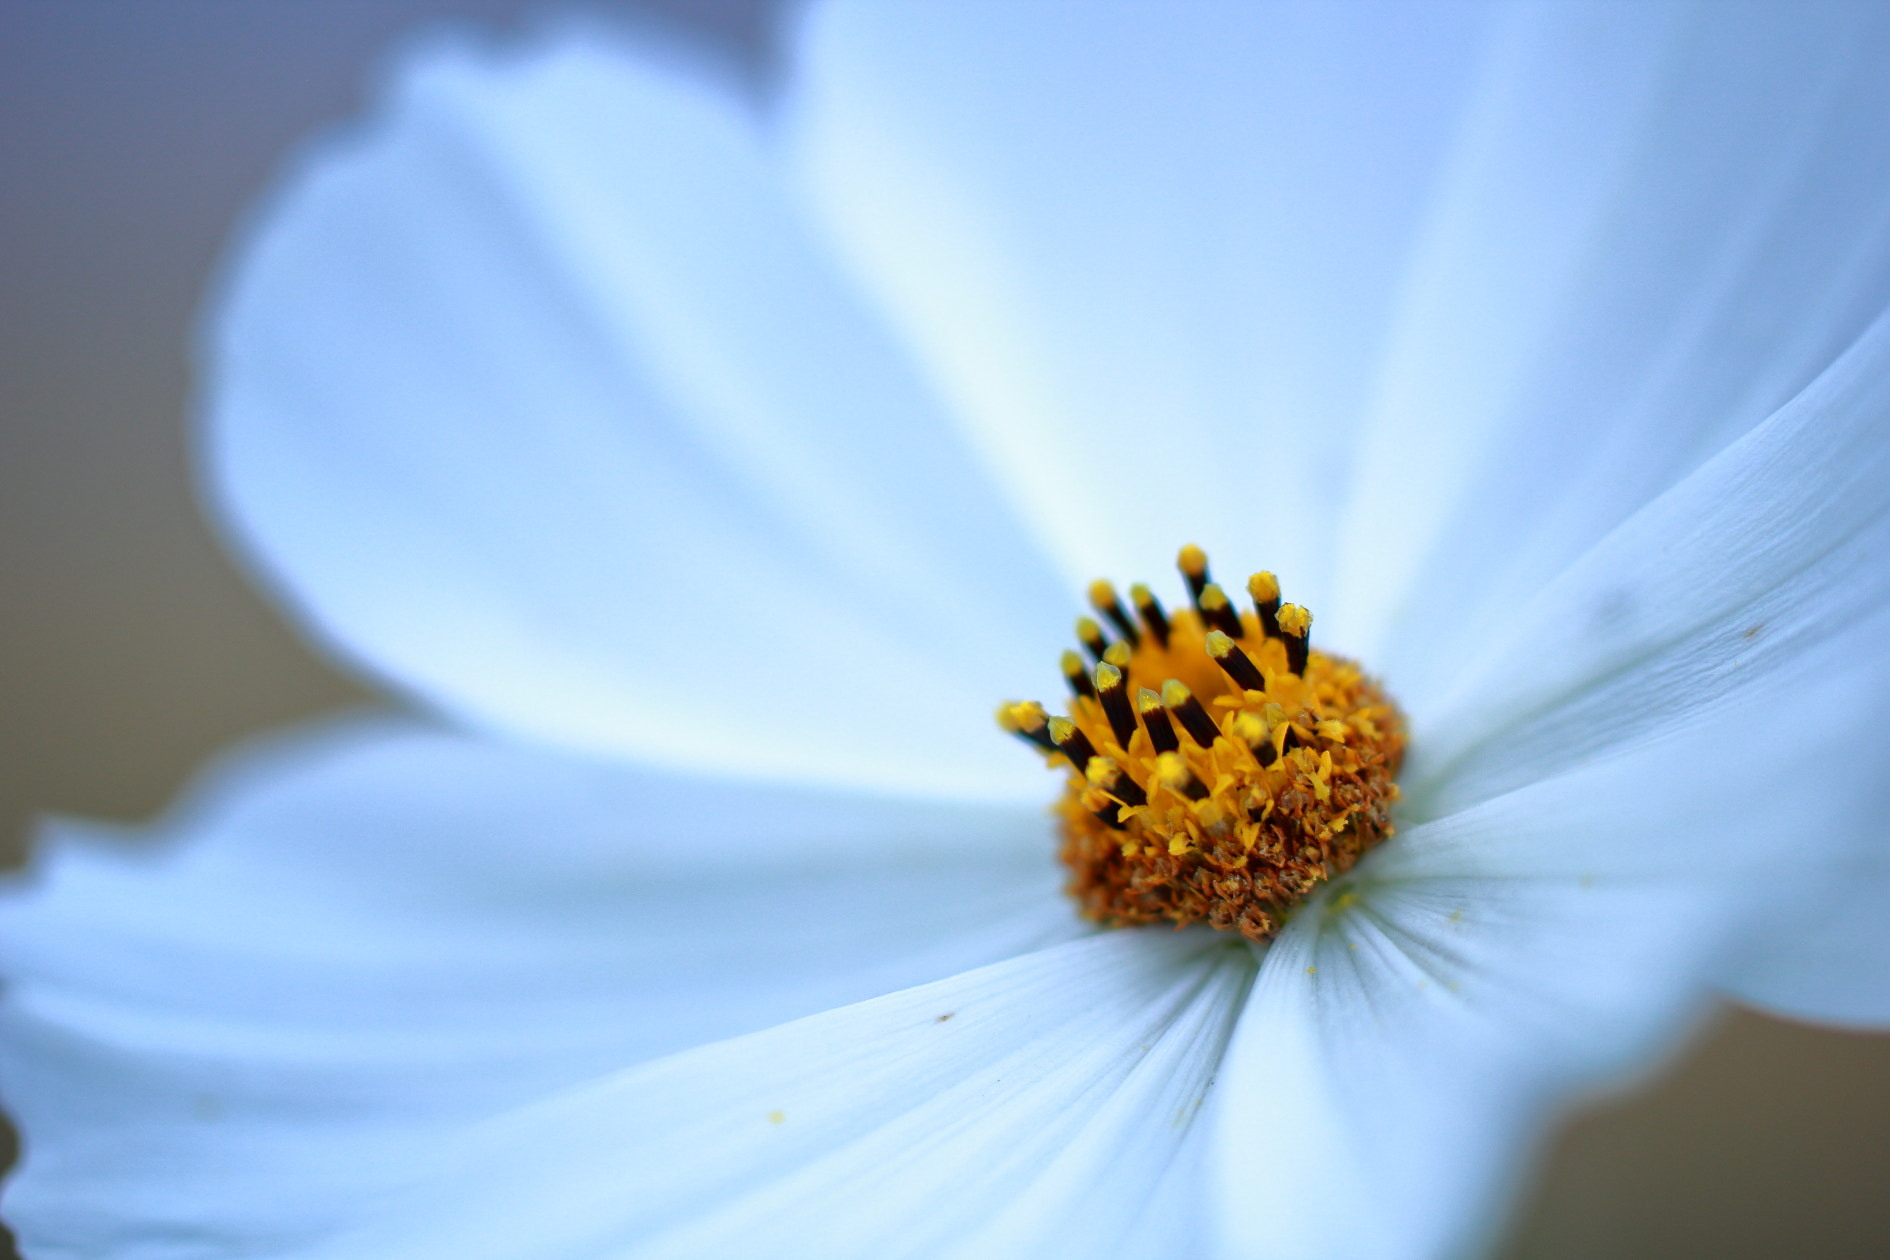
1025	1109
1659	223
535	398
1413	1029
1830	964
1411	305
1148	251
347	946
1759	574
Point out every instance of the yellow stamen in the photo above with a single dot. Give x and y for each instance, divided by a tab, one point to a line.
1027	721
1265	590
1173	772
1216	611
1023	718
1193	565
1150	610
1113	691
1102	596
1295	626
1283	780
1155	720
1187	710
1239	666
1076	674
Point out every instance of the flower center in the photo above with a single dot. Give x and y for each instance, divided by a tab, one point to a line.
1219	768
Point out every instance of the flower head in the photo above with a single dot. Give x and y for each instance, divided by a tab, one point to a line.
1231	816
708	474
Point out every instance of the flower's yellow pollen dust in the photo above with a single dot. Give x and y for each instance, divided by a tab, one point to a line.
1219	768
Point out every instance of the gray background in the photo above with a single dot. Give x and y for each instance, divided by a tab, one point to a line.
131	136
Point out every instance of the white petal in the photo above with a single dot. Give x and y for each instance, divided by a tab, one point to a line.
1530	262
1830	963
1760	574
1149	251
1656	225
1025	1109
1640	788
536	399
345	948
1412	1031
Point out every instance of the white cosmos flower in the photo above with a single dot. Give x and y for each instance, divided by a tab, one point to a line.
723	467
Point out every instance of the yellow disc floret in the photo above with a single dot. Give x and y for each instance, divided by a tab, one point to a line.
1220	768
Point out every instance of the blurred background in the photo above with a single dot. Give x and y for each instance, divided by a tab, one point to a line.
132	138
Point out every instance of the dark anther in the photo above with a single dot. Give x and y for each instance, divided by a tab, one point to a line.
1028	722
1230	658
1077	675
1071	742
1296	651
1172	769
1251	730
1161	731
1106	776
1265	589
1113	690
1218	614
1091	636
1189	712
1151	613
1103	596
1193	564
1104	808
1296	630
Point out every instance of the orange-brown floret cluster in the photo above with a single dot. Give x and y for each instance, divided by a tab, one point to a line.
1219	769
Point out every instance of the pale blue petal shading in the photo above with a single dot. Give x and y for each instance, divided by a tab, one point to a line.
1761	574
1411	305
237	1033
1663	223
1149	251
1027	1109
1830	962
581	458
534	397
1415	1027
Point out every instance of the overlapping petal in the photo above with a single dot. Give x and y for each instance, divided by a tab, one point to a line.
1762	573
542	398
1667	761
1149	252
1030	1108
535	397
1411	305
1825	963
348	947
1414	1027
1663	223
